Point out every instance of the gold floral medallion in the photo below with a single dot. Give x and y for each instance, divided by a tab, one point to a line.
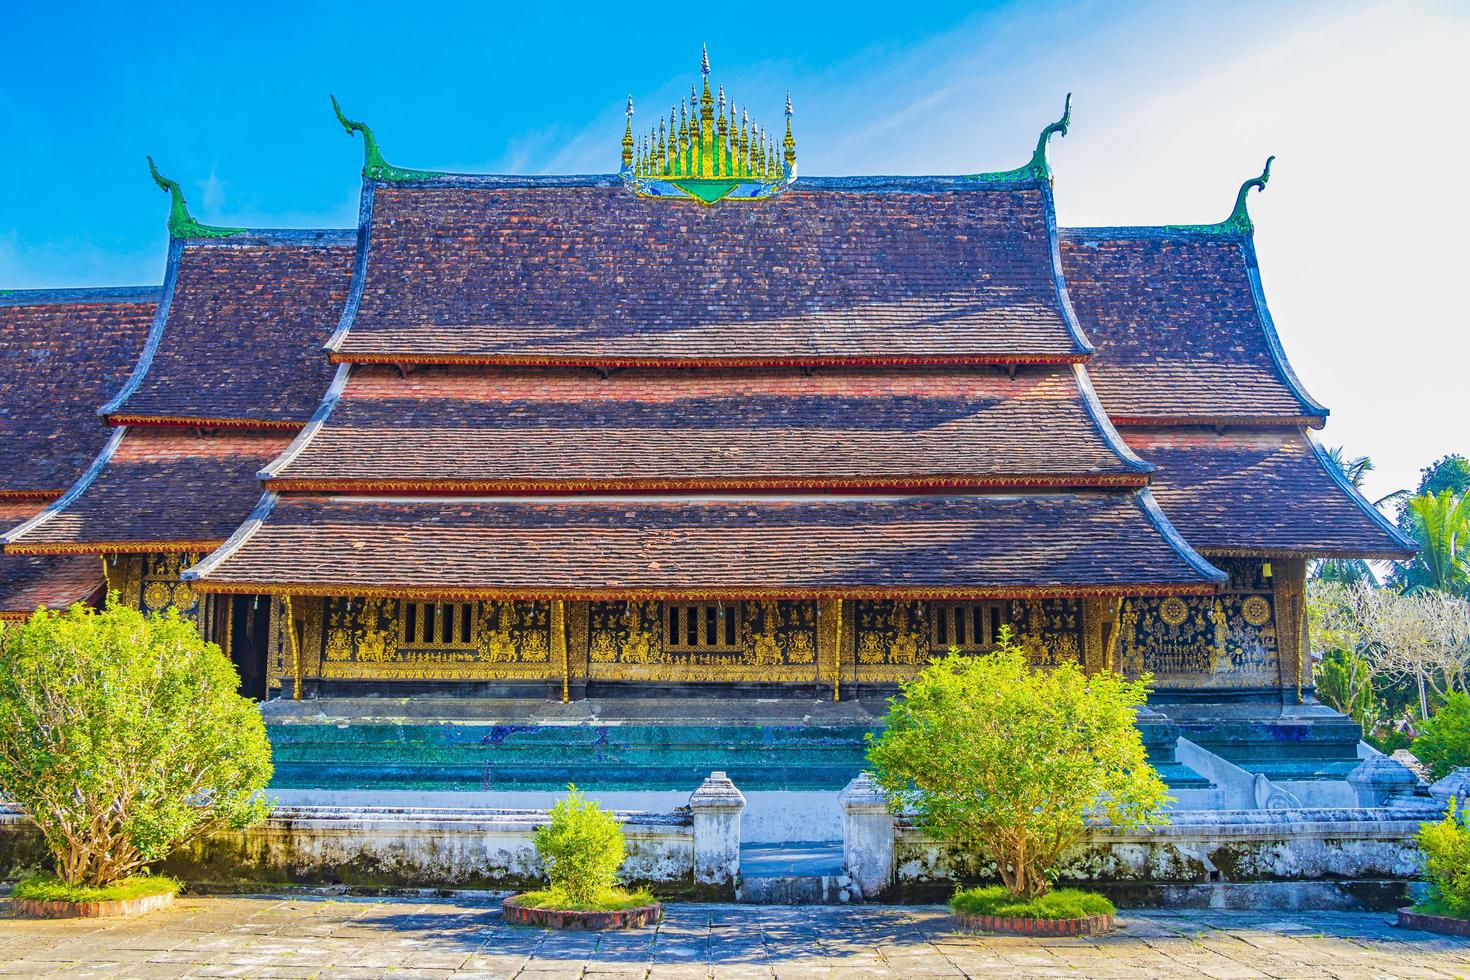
1174	611
1255	610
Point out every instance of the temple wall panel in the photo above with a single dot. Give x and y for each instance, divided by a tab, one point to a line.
768	641
1227	640
894	639
391	639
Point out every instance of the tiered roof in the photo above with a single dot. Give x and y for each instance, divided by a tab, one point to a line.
53	582
678	380
232	369
155	489
240	344
62	352
1262	491
751	547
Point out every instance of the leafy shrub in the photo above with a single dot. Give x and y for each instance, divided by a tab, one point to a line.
582	848
1446	847
49	888
123	737
609	900
1013	762
1064	903
1444	740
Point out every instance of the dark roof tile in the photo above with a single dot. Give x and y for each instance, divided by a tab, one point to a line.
161	489
597	273
502	429
50	581
1061	543
58	362
1179	327
244	334
1260	491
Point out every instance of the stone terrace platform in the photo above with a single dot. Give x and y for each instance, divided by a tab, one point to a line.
434	745
464	938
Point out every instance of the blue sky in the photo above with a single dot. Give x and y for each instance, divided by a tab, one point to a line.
1175	104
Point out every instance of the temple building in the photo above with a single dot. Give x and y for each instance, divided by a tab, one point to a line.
700	426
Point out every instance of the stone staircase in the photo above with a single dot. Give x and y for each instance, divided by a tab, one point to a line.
802	873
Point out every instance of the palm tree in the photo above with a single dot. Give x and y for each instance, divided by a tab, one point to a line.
1440	523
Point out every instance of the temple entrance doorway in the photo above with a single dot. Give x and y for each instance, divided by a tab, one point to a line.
250	621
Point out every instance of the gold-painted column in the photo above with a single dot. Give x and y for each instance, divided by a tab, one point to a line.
1115	629
1288	585
837	650
1094	655
290	625
559	647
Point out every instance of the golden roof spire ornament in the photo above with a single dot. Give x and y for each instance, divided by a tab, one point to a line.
707	157
628	137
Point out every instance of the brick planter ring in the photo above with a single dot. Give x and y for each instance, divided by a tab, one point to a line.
1445	924
31	908
1090	925
634	918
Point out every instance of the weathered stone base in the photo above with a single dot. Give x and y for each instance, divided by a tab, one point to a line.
30	908
1446	925
527	915
1090	925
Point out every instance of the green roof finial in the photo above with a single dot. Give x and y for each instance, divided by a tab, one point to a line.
181	223
1037	168
1239	222
374	167
1239	219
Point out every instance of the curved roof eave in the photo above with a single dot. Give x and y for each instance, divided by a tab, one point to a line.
1165	527
1406	544
14	535
1273	341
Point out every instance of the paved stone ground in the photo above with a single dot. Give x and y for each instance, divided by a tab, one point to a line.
464	938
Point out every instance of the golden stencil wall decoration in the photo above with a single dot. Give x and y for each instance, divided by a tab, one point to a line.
161	586
891	639
1049	630
1256	610
775	642
1174	611
364	640
1225	641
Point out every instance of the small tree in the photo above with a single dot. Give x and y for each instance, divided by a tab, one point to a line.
1014	761
1444	740
123	737
1446	847
582	848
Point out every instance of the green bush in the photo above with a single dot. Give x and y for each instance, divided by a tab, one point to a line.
1444	740
1446	847
1064	903
1015	762
49	888
123	737
610	900
582	848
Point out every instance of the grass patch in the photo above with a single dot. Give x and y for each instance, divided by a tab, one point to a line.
49	888
1435	906
1064	903
612	900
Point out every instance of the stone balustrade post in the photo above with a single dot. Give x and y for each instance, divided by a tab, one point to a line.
716	806
867	836
1378	778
